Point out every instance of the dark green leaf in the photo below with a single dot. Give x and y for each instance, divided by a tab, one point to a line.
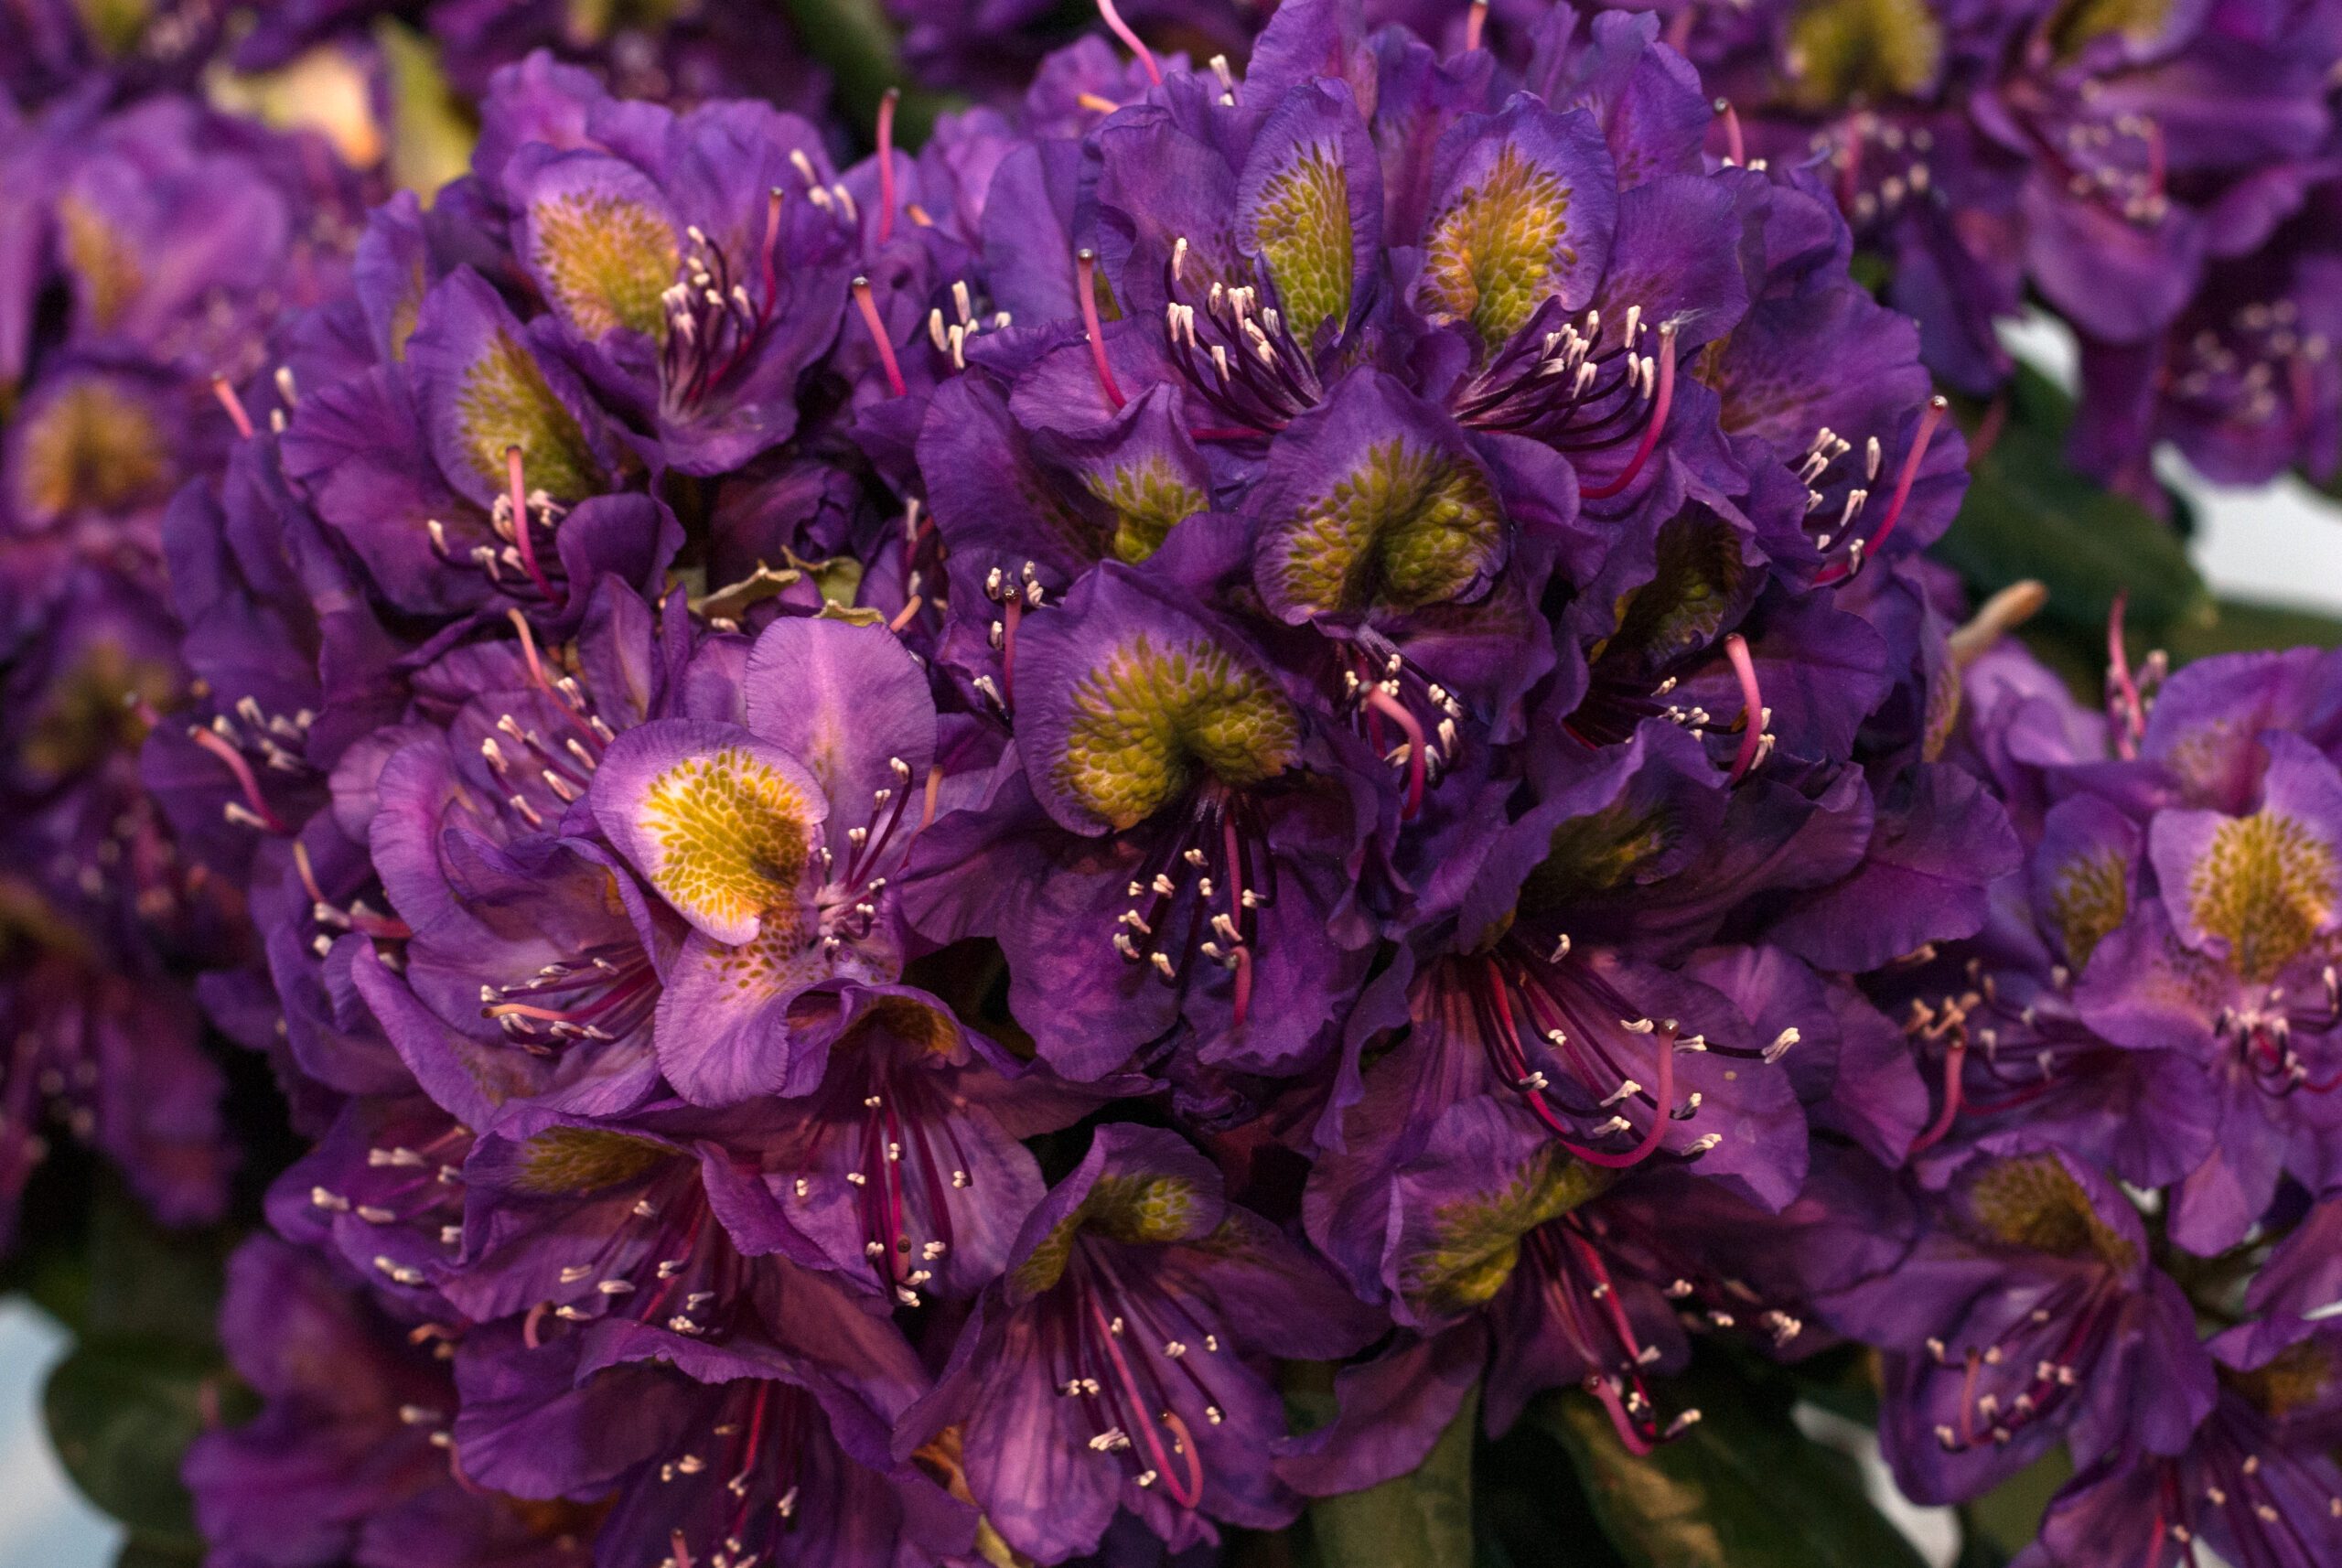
2003	1521
121	1414
140	1552
853	38
1528	1509
2238	624
1423	1520
2029	514
1740	1489
145	1282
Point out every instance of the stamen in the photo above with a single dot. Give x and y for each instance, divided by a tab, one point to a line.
1752	710
1955	1059
227	753
1085	271
1735	153
877	326
2122	689
771	246
234	405
1476	26
1660	402
520	531
1130	40
886	163
1396	712
1928	423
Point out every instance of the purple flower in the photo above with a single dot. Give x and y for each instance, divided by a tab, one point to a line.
349	1458
778	842
1170	840
2243	382
2226	960
1115	1363
2111	165
2237	1490
701	1451
2028	1311
1578	1278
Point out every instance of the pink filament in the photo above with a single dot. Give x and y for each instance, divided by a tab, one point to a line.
234	759
233	405
1130	40
1954	1060
1243	954
1735	151
1928	424
2125	689
1188	1496
529	646
1606	1392
1658	407
1396	712
1085	272
1475	25
766	269
871	319
1661	1098
1752	712
521	539
886	163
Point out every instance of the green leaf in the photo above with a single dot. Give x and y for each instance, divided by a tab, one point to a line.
2238	624
121	1413
1422	1520
2030	515
146	1374
1740	1489
148	1282
432	130
853	38
2003	1521
139	1552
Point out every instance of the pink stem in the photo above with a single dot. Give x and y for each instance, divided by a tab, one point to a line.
1953	1061
2124	687
1141	1418
1243	954
521	540
1085	274
886	163
767	272
233	405
1396	711
1928	424
245	780
1130	40
1658	407
871	319
1633	1441
1752	711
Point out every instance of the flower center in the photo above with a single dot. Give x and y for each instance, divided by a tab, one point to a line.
748	1476
1206	878
2254	367
1132	1358
1571	1273
1599	1076
2028	1369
